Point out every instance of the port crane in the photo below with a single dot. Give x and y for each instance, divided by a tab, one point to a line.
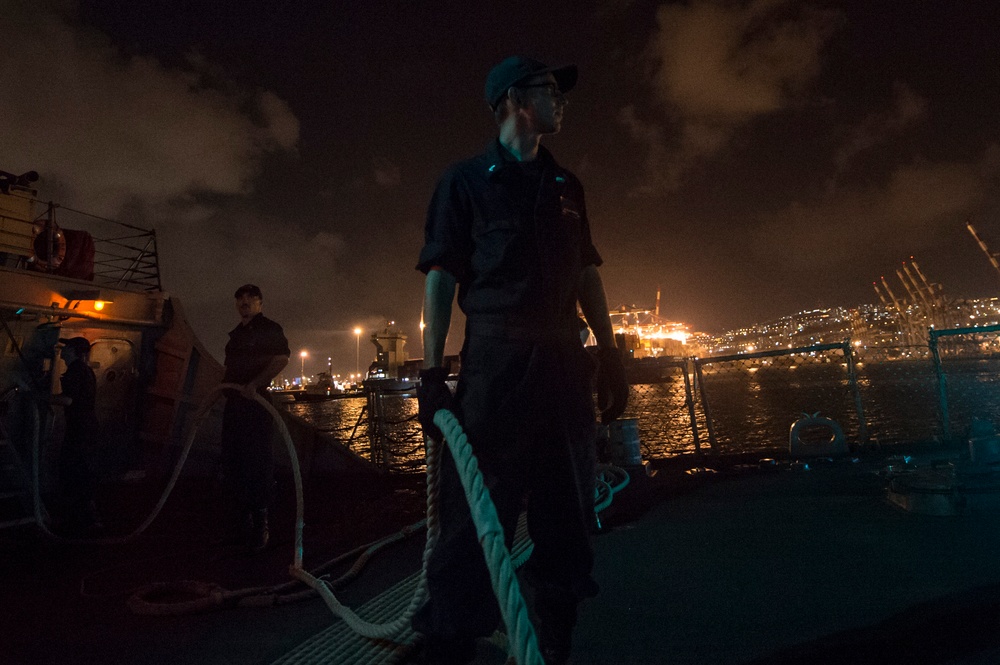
982	245
923	305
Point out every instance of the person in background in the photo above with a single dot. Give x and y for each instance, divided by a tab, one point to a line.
76	456
509	231
256	353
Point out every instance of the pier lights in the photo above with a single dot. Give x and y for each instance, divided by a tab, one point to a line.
302	356
357	357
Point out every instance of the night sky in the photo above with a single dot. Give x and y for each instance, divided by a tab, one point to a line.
752	159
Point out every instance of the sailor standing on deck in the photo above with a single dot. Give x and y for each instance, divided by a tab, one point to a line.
257	351
509	230
76	456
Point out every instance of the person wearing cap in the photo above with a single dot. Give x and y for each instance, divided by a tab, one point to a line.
76	472
257	351
508	231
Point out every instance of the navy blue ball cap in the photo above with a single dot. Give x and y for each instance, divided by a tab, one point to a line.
80	344
517	69
251	290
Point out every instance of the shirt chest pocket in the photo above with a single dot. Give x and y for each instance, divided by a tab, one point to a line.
561	233
495	240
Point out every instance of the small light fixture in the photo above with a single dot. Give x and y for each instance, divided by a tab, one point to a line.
99	297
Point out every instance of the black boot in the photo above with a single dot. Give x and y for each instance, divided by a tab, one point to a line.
259	534
556	620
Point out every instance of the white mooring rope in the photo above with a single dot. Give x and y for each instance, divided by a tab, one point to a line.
491	538
490	532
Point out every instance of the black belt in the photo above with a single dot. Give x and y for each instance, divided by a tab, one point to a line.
522	333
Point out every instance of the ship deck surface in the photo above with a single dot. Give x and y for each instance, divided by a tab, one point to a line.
743	566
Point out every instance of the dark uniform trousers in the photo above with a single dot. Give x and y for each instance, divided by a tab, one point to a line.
76	457
247	456
528	411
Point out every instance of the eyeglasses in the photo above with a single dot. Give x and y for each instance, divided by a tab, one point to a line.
553	88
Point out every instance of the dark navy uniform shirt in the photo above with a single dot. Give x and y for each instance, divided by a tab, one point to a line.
516	237
80	384
251	347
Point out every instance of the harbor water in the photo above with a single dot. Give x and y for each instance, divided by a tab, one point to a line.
740	409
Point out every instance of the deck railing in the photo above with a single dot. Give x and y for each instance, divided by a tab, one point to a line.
967	367
880	396
123	256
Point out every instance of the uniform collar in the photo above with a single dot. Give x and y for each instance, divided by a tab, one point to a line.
257	318
499	159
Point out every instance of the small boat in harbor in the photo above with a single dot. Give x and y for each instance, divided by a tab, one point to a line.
323	390
314	396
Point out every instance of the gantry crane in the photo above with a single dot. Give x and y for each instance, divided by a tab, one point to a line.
982	245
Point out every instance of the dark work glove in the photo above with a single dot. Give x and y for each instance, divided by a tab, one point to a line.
433	395
612	386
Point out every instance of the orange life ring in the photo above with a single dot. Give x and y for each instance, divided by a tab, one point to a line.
46	236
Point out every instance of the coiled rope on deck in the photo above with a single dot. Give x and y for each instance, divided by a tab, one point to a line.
610	480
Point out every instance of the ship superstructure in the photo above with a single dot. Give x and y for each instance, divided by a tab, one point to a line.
64	273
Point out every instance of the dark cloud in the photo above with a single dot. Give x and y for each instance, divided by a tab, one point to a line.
716	67
387	175
111	128
909	109
920	203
